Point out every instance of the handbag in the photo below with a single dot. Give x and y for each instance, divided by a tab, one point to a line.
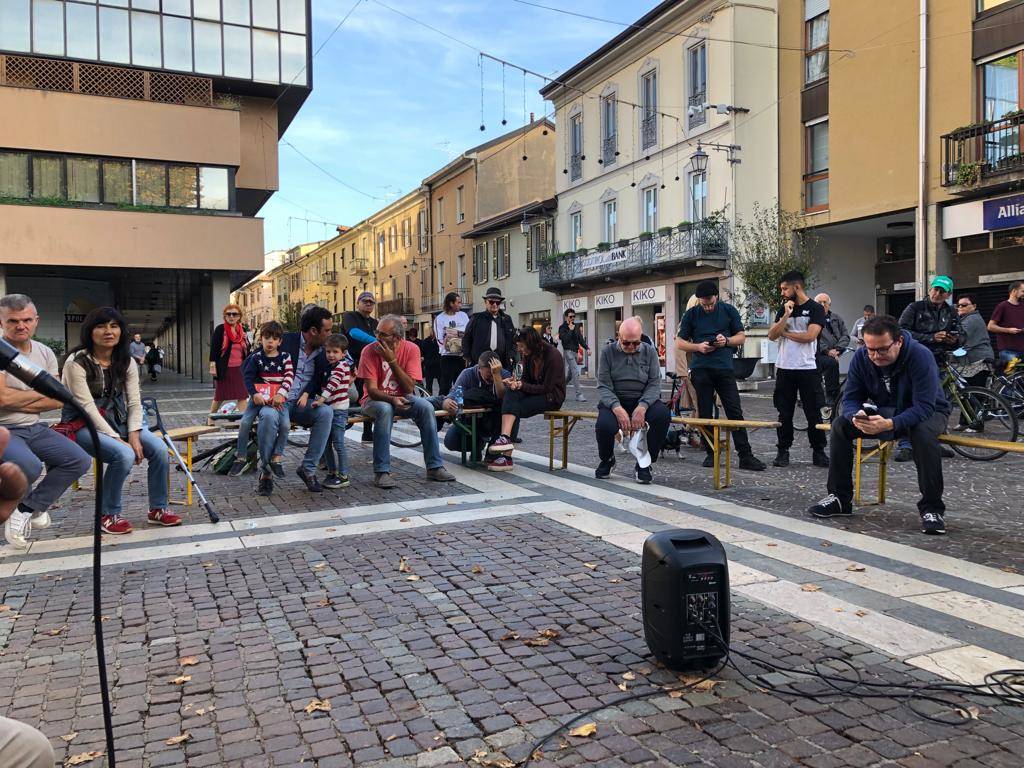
579	356
267	390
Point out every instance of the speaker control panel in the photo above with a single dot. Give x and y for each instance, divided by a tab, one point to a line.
701	605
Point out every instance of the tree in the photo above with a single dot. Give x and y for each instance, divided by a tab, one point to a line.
290	316
767	245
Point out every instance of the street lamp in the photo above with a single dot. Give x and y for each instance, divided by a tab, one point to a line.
699	159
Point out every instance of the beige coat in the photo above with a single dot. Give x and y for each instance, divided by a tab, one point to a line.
74	379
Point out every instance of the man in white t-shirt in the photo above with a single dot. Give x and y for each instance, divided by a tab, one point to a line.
797	326
32	443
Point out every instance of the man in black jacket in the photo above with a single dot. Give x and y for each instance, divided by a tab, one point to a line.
491	330
360	328
832	342
572	339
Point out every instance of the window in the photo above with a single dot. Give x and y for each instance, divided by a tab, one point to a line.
47	177
178	43
697	85
421	230
536	245
80	26
442	286
151	184
987	5
609	129
576	147
264	57
117	182
237	52
611	214
501	257
235	11
182	186
816	49
576	230
440	214
392	238
1000	84
698	195
48	27
480	263
14	174
649	213
816	174
214	189
381	250
407	233
15	27
460	214
145	39
649	109
114	36
84	179
207	45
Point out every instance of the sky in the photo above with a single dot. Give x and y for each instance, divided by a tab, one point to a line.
394	101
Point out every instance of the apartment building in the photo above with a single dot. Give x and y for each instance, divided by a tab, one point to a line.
668	134
136	149
289	291
400	263
256	298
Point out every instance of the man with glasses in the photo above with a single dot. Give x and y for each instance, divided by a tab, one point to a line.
934	323
490	331
892	389
571	338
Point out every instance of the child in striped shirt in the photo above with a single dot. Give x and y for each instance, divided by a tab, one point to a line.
335	395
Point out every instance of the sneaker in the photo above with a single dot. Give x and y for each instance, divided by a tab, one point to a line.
831	506
502	445
752	463
115	525
904	454
312	484
367	436
500	464
517	440
18	528
383	480
781	459
236	468
265	486
41	520
277	468
642	475
962	428
163	517
440	475
946	452
819	458
933	524
581	398
709	461
334	481
971	431
604	468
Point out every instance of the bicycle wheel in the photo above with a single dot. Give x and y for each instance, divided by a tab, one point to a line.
1013	390
982	413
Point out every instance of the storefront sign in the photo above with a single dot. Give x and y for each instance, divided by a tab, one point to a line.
608	300
655	295
904	286
576	304
1004	213
600	260
1002	277
69	318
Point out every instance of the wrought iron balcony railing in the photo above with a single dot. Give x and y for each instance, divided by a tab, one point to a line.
435	302
649	130
576	167
695	113
395	307
359	267
984	151
330	277
609	149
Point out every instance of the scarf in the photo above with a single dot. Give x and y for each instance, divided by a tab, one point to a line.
233	334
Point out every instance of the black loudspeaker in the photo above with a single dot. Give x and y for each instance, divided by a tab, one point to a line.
684	584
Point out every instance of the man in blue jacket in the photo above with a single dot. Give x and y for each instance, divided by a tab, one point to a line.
897	376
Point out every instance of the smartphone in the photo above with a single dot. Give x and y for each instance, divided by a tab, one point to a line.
870	409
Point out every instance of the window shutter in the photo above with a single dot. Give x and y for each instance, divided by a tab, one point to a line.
814	8
542	241
494	260
529	248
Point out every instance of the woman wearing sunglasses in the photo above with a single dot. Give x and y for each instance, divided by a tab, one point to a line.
228	349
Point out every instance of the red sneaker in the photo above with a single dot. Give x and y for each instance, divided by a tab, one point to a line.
115	525
163	517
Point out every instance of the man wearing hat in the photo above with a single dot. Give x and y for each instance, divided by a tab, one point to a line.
490	330
711	331
360	328
935	323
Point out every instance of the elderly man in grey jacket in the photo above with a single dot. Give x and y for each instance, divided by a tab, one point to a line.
629	389
832	340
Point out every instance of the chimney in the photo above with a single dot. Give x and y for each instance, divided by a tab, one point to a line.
531	117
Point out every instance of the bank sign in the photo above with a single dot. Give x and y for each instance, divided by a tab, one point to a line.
1004	213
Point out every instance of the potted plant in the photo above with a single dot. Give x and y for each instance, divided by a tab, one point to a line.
581	251
664	231
623	243
968	174
684	225
646	237
603	246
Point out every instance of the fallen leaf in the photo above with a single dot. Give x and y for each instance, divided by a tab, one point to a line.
838	610
319	566
414	577
181	680
509	636
58	630
70	736
628	676
84	757
696	684
591	566
188	661
207	564
104	618
477	569
616	581
771	544
186	708
330	530
862	613
4	608
856	568
178	739
551	633
969	713
622	686
403	566
1010	569
587	729
201	711
675	694
536	642
810	588
392	737
318	705
324	603
406	520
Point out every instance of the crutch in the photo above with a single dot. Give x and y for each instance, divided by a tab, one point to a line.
153	411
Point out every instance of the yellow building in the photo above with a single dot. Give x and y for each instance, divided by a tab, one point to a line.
289	294
399	265
256	298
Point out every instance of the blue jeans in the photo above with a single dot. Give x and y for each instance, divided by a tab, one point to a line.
318	420
271	429
37	445
336	457
120	458
421	412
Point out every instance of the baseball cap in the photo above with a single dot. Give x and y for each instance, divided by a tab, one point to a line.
365	295
944	282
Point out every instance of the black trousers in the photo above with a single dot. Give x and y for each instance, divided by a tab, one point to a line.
431	374
523	406
788	384
924	442
711	381
657	418
451	367
828	367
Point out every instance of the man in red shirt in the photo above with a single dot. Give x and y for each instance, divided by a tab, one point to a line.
389	370
1007	323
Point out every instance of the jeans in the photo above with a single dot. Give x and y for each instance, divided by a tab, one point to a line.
37	445
721	381
419	411
319	421
572	371
925	445
657	418
808	385
451	367
271	429
336	457
120	458
828	368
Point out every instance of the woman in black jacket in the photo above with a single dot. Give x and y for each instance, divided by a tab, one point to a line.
228	349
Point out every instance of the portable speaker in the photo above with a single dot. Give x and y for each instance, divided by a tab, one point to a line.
684	585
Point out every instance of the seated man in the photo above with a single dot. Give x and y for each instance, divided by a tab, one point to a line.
895	379
481	386
629	390
389	370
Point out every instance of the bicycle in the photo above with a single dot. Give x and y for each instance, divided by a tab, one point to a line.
827	410
1010	385
676	438
977	410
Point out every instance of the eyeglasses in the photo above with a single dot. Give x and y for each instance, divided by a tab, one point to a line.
232	314
628	343
880	350
494	302
962	304
943	291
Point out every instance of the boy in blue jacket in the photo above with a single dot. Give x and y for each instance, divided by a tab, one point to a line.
898	376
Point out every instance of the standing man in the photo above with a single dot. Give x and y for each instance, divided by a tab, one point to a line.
1007	323
449	327
33	445
857	333
797	327
710	331
572	339
490	330
832	341
360	327
137	349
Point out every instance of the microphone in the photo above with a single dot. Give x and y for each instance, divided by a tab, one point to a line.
30	374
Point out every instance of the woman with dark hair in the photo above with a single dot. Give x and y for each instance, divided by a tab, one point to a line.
104	380
229	347
538	385
449	328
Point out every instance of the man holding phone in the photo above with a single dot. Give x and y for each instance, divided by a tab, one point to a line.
892	390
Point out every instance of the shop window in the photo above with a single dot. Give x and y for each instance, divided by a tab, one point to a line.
974	243
1008	238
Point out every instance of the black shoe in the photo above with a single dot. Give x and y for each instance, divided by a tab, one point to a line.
946	452
367	436
819	458
277	468
312	484
517	440
643	475
266	485
709	461
752	463
236	468
781	459
333	482
933	524
604	468
831	506
904	454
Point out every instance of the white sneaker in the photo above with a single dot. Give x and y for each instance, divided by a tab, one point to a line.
41	520
18	528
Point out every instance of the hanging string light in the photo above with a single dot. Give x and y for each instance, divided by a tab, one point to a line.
480	66
526	121
504	121
633	165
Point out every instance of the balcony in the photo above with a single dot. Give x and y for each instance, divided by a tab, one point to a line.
696	114
703	243
576	167
984	155
395	307
330	277
359	267
649	130
435	302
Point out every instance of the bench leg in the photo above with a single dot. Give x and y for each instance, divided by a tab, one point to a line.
728	457
551	444
188	463
718	458
566	429
883	470
857	462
